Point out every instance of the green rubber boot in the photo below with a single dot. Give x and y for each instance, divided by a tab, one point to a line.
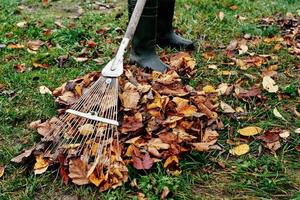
144	40
165	32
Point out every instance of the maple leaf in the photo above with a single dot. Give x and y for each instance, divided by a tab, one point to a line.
142	161
78	173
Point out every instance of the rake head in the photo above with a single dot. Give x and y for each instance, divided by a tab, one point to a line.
89	128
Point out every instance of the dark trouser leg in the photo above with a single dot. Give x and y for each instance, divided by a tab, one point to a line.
165	33
144	40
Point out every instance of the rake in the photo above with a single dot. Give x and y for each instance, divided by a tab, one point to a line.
89	128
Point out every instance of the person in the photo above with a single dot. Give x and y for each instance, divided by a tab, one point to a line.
155	28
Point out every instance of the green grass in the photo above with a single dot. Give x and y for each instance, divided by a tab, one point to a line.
255	175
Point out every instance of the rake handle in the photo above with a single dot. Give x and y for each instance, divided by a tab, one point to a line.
131	28
135	18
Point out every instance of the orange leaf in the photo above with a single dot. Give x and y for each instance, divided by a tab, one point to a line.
41	165
20	68
171	161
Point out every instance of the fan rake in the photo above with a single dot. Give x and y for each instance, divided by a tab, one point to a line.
89	128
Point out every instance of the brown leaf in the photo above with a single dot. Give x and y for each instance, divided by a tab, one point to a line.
270	136
34	45
44	129
132	123
201	146
34	124
39	65
20	68
22	156
165	193
210	137
78	172
242	93
273	146
142	162
62	171
183	107
130	99
233	7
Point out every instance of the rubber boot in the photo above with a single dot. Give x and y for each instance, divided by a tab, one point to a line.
165	32
144	40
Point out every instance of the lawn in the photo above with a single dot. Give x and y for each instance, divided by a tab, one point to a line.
67	25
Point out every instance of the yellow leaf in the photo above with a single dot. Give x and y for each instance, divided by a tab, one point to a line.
41	165
250	131
240	150
2	168
170	160
209	89
78	90
96	181
86	129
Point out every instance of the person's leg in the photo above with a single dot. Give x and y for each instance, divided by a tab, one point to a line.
144	40
165	32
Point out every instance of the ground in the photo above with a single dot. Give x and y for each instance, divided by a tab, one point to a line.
258	174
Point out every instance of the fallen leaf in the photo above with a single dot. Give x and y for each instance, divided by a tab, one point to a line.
142	162
41	165
171	161
222	88
284	134
20	68
2	168
165	193
80	59
233	7
250	131
269	84
132	123
183	107
270	136
201	146
22	24
212	67
86	129
130	99
209	89
243	49
39	65
44	129
78	172
273	146
34	45
226	108
277	114
240	150
15	46
34	124
45	90
22	156
221	16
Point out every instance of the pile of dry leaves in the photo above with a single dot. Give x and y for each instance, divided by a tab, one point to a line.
162	119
